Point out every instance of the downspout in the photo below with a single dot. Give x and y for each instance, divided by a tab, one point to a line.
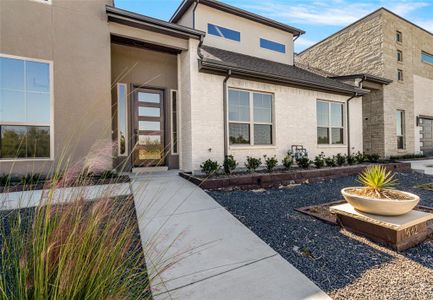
200	55
355	95
226	149
193	13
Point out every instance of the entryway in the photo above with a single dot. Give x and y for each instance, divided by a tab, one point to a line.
426	136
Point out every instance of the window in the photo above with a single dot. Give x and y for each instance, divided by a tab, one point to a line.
174	122
399	75
122	119
425	57
224	32
274	46
25	108
399	36
330	123
250	118
400	124
399	55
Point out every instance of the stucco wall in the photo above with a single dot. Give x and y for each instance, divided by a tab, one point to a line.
74	35
251	32
294	120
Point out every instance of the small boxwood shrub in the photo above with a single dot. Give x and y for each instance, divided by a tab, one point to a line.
360	157
340	159
303	162
351	159
210	167
319	161
229	164
287	161
253	163
270	162
373	158
330	161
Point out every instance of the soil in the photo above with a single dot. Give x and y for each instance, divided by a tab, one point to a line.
385	194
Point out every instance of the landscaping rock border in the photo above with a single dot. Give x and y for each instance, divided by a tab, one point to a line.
281	178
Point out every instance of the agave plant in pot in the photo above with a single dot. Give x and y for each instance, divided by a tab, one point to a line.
378	194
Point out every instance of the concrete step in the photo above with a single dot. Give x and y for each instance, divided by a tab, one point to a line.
144	170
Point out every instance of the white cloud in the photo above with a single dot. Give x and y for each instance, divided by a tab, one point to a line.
428	25
303	42
330	12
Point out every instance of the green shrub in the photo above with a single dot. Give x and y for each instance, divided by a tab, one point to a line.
31	179
253	163
210	167
287	161
360	157
340	159
303	162
5	180
319	161
270	162
229	164
373	158
406	156
377	179
351	159
330	161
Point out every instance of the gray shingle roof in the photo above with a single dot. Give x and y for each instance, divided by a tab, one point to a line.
268	70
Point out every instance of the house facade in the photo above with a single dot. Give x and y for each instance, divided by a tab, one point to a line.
85	76
398	116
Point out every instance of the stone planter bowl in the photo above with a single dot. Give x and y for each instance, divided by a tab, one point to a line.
386	207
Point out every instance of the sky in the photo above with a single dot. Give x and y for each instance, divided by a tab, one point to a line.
319	18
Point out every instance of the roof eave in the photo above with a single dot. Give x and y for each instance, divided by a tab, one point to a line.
186	4
368	77
136	20
215	66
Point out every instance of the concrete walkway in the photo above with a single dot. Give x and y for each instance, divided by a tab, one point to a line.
209	253
424	166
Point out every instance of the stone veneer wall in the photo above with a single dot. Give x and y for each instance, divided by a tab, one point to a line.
400	95
355	49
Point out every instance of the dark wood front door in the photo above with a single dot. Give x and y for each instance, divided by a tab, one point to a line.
148	128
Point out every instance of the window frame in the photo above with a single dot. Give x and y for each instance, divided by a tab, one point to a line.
398	36
426	54
269	44
399	56
172	121
219	27
251	121
50	124
400	75
403	128
330	127
125	85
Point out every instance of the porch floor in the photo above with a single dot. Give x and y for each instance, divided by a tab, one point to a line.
214	255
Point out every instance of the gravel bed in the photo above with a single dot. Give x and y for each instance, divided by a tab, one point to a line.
344	265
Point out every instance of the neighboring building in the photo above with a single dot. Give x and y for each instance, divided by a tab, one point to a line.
215	80
398	115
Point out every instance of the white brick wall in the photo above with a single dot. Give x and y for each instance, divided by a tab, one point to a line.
294	120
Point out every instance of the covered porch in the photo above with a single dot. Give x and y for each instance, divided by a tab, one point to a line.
146	59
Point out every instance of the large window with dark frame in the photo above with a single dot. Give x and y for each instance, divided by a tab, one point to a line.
250	118
330	123
25	108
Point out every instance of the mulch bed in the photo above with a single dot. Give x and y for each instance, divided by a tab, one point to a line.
43	184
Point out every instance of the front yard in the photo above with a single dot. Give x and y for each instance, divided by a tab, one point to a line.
344	265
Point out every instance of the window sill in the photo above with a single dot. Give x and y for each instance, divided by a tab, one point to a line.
252	147
331	146
17	160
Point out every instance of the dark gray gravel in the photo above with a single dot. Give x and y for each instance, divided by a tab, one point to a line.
342	264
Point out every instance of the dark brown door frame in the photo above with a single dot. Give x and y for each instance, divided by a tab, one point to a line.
134	133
